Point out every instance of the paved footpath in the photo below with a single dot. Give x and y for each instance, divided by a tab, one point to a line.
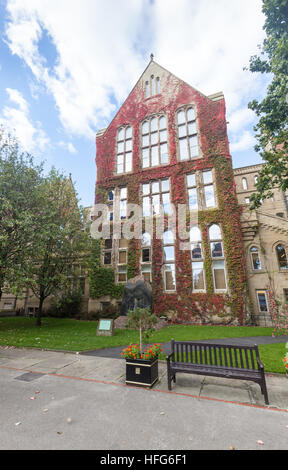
57	400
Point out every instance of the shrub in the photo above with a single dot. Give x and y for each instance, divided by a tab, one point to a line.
66	306
110	311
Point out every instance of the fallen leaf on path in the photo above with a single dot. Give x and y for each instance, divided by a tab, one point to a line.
17	424
32	398
69	420
261	443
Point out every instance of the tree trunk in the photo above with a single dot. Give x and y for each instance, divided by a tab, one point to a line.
39	313
140	334
1	285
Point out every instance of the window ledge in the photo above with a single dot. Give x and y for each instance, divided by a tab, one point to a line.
153	96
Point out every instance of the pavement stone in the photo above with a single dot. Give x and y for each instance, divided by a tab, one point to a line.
111	370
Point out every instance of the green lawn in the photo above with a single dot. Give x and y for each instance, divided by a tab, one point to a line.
74	335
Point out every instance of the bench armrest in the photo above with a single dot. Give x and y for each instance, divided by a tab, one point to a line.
260	363
169	357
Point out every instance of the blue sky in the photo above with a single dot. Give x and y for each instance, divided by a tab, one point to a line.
66	67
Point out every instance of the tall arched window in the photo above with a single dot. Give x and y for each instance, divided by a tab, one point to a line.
197	262
147	90
169	261
187	134
244	183
218	259
157	85
146	256
282	256
124	150
154	141
255	258
152	85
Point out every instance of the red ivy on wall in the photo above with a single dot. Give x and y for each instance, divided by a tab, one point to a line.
187	306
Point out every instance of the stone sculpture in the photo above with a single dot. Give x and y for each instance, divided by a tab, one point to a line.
136	294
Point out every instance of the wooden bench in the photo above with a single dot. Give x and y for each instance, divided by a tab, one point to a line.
219	360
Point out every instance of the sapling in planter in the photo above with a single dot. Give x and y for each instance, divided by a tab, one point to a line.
142	366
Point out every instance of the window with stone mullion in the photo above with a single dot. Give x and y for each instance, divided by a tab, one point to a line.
187	134
154	142
124	150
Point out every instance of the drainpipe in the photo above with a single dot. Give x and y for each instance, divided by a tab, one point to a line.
285	202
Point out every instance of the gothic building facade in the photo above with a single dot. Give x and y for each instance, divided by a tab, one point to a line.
167	150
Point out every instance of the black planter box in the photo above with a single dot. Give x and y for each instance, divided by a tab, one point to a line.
141	372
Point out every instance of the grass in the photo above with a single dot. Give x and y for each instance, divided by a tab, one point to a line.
74	335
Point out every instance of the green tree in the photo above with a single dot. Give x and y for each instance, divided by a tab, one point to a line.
60	242
20	183
272	127
143	320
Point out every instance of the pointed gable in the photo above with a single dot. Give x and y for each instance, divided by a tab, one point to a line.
159	91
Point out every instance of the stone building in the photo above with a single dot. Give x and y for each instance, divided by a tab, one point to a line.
265	236
167	147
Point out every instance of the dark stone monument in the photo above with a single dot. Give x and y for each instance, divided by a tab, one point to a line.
137	293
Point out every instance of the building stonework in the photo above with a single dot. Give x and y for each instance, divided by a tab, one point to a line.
264	231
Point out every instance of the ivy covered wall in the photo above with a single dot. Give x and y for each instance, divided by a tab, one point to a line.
183	305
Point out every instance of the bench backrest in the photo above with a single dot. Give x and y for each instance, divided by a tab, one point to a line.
225	355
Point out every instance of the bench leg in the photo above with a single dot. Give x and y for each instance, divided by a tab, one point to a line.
264	391
169	377
174	378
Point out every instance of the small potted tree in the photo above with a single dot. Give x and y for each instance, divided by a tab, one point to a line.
142	365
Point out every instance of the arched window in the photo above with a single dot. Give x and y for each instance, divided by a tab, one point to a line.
218	259
197	262
187	134
124	150
146	256
244	183
147	90
169	261
157	85
154	141
282	256
152	86
255	258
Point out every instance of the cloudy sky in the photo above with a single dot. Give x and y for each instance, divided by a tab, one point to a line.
66	66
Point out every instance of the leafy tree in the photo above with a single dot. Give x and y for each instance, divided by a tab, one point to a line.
143	320
20	183
272	127
59	243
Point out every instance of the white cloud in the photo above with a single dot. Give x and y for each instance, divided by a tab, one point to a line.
240	118
245	141
67	146
96	55
103	48
16	97
17	121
